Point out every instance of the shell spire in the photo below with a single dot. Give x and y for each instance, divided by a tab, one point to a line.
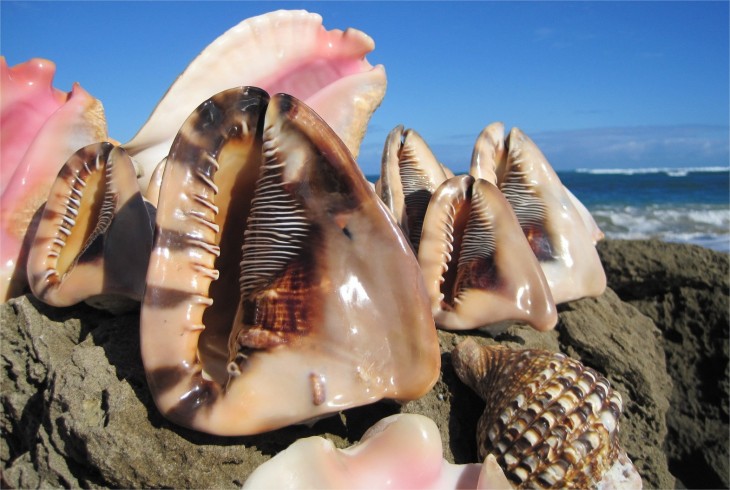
550	421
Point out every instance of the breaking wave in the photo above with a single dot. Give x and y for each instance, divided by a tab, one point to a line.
672	172
705	225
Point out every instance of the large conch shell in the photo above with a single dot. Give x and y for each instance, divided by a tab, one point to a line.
282	51
95	234
478	267
312	321
550	421
41	128
559	228
400	451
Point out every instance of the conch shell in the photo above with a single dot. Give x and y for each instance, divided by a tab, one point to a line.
400	451
478	267
409	176
550	421
559	228
265	304
41	128
95	234
282	51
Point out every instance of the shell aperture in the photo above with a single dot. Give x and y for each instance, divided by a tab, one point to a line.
276	313
410	174
478	267
95	233
555	227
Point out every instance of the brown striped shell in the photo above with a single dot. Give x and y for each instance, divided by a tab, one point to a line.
477	265
550	421
95	234
276	285
409	176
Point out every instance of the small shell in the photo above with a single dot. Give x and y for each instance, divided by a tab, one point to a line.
489	153
95	233
551	421
41	127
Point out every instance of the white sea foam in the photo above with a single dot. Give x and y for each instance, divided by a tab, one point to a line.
704	225
672	172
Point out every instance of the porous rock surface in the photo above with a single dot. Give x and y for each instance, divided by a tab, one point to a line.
685	290
75	409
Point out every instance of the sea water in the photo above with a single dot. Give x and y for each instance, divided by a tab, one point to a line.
686	205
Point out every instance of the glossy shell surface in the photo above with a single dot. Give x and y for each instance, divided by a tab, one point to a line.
279	288
478	267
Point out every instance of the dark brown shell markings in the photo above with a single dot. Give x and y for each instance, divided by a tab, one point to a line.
551	422
95	233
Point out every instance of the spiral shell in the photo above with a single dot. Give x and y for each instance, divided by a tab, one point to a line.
551	421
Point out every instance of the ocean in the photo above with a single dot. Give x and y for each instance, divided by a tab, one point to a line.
685	205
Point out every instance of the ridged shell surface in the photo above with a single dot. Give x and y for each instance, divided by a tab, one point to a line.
95	233
551	421
557	230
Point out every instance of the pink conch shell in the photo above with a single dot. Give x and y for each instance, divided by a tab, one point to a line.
95	233
41	128
264	306
409	176
551	421
29	98
400	451
555	228
282	51
478	267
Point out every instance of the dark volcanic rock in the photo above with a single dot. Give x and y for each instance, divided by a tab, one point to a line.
76	410
686	291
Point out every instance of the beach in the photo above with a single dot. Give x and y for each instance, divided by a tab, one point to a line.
76	410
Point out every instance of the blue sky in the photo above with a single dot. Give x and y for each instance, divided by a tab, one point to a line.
595	84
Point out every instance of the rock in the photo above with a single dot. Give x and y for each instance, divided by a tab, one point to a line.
685	290
76	411
623	344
